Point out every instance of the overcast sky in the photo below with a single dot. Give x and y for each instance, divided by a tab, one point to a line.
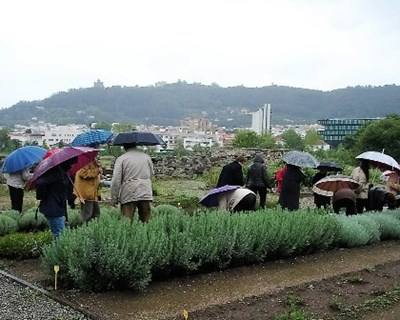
53	45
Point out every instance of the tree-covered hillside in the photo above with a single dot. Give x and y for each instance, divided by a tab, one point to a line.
167	103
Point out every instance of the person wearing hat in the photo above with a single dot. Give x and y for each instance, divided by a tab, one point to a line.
232	173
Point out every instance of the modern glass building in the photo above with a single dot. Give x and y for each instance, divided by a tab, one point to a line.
335	130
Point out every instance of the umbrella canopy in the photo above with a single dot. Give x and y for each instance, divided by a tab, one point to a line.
92	138
22	158
211	198
138	138
60	156
300	159
380	159
329	185
329	166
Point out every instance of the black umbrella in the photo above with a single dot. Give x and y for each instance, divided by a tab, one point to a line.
138	138
329	166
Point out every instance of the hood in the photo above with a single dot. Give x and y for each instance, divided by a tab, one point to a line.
259	158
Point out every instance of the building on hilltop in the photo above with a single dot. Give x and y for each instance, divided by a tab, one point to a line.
261	120
335	130
98	84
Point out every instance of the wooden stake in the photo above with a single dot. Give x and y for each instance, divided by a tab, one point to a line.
56	269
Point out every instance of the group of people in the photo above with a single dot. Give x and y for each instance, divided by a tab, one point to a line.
131	187
364	198
288	185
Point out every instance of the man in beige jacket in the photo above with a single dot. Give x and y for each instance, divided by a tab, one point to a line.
131	182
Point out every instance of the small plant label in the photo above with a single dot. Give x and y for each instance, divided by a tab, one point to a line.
56	269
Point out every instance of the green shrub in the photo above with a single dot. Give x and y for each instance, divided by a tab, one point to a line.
12	214
389	226
74	218
210	177
166	209
370	226
29	222
110	252
7	225
351	233
23	245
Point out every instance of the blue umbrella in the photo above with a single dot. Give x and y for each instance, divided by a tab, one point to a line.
138	138
91	138
211	198
22	158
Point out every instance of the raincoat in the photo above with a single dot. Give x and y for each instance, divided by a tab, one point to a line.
289	197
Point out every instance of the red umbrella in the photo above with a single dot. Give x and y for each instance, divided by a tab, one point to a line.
85	155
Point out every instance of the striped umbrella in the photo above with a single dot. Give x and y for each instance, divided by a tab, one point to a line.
329	185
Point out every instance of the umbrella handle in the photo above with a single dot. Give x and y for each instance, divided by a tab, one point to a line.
76	191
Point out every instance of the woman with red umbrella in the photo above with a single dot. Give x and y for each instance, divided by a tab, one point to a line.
52	191
52	179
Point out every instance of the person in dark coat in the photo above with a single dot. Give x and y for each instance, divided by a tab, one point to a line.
319	200
52	191
289	198
232	173
344	198
257	179
378	197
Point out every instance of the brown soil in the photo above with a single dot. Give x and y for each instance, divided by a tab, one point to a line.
321	283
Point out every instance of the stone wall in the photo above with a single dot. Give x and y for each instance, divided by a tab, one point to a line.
195	164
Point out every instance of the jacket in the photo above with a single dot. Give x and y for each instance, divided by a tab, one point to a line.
257	176
87	181
279	174
393	183
52	191
18	179
132	175
231	174
289	198
359	175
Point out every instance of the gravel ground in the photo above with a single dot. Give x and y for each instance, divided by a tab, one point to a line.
19	302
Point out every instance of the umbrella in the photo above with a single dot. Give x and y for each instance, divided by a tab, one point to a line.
211	198
138	138
329	185
22	158
60	156
92	138
329	166
381	159
300	159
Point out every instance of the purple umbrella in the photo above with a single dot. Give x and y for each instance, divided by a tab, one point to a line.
59	157
211	198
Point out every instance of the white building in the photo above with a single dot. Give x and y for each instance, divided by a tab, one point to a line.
261	120
47	134
203	141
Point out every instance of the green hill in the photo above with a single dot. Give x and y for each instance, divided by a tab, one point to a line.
168	103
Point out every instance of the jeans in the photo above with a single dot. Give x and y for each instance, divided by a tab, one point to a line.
57	225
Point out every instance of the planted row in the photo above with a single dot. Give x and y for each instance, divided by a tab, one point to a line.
111	252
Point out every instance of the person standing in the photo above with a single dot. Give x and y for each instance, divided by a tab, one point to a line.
16	183
232	173
52	191
86	189
361	175
320	200
289	198
131	183
344	198
257	179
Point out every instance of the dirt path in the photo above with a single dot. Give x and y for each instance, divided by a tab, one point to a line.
197	292
228	290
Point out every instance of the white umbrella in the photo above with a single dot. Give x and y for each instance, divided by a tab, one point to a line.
380	158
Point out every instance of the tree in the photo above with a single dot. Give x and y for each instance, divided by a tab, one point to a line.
312	138
123	127
382	135
6	144
102	125
246	139
250	139
293	140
